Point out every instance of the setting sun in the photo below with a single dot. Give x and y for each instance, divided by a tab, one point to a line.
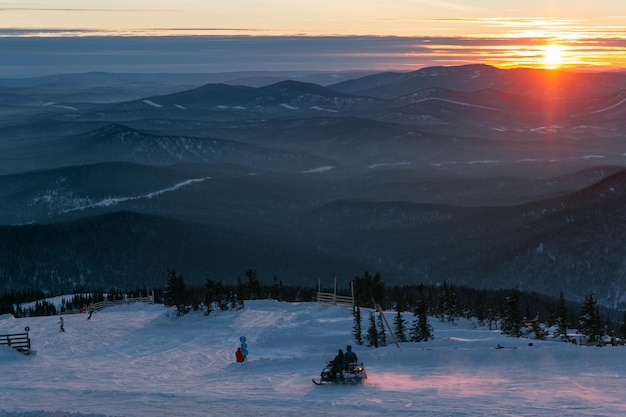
552	56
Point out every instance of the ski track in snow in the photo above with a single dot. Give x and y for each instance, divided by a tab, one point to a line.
141	360
117	200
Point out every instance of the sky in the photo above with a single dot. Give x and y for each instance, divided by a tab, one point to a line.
140	360
244	35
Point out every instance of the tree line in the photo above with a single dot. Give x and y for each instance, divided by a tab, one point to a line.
513	312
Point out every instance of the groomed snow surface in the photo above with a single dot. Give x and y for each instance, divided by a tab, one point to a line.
142	360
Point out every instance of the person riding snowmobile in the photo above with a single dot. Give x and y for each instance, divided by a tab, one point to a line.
349	357
337	365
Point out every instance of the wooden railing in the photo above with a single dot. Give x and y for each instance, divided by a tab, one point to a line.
108	303
334	299
18	341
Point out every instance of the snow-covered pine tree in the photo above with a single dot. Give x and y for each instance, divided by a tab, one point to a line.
421	331
537	328
382	335
209	296
399	328
590	322
357	330
254	285
372	332
512	321
622	327
175	293
448	304
560	315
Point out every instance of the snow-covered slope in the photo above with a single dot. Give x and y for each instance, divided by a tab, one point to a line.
141	360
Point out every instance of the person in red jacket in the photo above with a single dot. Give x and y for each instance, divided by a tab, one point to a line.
239	355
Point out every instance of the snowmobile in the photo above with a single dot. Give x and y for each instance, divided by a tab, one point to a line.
355	374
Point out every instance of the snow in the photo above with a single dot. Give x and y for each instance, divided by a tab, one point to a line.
319	169
112	201
223	107
60	106
142	360
323	109
152	103
393	164
460	103
610	107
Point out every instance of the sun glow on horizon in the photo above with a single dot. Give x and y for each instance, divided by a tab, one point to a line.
553	56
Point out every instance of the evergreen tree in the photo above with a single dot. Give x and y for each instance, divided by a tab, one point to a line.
175	293
512	320
537	328
560	315
421	331
254	285
590	322
369	290
480	311
209	295
448	304
400	303
372	332
382	335
357	331
622	327
277	290
399	328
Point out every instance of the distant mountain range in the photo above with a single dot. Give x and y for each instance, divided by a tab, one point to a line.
471	175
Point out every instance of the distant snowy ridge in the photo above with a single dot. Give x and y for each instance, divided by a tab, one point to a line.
152	103
60	106
107	202
319	169
460	103
619	103
393	164
424	96
323	109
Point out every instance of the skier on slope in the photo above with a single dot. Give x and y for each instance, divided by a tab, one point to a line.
90	310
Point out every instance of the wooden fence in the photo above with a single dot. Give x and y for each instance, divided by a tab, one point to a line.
108	303
18	341
332	297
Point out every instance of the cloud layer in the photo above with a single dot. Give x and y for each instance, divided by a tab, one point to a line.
57	53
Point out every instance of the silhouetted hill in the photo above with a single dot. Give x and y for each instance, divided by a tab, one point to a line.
536	83
127	250
471	175
577	236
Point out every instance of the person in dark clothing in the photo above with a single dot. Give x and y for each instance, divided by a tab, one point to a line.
337	365
349	357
